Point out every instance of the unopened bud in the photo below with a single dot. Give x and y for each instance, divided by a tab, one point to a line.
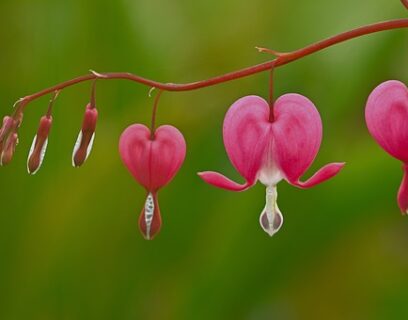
8	149
6	127
8	140
8	123
39	145
84	142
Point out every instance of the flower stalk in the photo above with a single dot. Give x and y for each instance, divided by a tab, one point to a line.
245	72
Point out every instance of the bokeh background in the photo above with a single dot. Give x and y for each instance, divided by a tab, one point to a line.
69	241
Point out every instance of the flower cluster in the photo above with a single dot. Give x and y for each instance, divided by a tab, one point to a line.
82	147
264	142
9	138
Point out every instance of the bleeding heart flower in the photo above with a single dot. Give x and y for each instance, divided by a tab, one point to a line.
386	115
270	148
153	160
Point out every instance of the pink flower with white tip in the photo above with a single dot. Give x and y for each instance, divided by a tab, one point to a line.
270	145
153	160
386	115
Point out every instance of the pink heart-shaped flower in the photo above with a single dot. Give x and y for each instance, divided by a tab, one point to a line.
386	116
271	150
153	161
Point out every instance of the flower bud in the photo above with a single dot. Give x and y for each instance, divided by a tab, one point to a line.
8	149
84	143
39	145
8	123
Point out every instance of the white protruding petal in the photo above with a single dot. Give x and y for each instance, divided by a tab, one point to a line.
271	218
76	147
90	146
149	211
78	144
42	154
32	147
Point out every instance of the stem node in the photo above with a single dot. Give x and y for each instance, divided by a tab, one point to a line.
270	51
98	75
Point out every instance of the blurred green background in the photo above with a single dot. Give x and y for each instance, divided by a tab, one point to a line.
69	241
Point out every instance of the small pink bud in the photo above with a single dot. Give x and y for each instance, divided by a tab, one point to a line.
86	136
8	123
39	145
8	149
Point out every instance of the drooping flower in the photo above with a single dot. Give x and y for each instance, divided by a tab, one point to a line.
39	145
153	160
386	116
40	142
271	147
8	123
9	138
9	149
84	143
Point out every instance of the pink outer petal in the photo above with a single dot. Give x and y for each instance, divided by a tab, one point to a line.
403	192
386	115
246	134
220	181
155	162
325	173
297	130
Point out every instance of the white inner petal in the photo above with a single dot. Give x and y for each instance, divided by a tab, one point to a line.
42	154
270	175
76	147
271	218
149	211
90	146
31	150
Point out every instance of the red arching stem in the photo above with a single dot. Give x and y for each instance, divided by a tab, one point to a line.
405	3
279	61
153	123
